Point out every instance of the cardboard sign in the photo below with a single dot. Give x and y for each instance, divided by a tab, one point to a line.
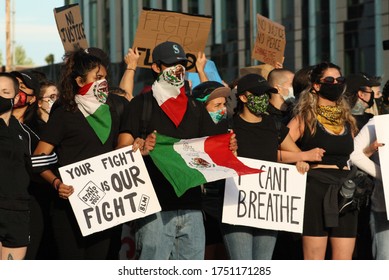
382	132
110	189
70	27
270	42
157	26
211	72
273	199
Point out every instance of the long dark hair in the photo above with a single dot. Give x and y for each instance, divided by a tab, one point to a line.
77	64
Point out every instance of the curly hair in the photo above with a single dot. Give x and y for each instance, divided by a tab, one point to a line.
77	64
307	104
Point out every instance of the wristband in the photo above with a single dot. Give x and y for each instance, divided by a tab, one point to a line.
131	69
53	183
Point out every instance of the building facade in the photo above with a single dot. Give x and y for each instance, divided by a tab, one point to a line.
349	33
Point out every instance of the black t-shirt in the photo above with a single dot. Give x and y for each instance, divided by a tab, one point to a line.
14	156
259	140
73	137
338	147
195	123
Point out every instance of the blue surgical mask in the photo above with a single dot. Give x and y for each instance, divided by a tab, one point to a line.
218	115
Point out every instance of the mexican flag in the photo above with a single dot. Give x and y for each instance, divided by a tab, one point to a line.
187	163
96	113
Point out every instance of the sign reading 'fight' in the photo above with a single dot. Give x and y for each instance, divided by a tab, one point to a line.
110	189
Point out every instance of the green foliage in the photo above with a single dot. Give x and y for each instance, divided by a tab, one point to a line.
49	59
21	57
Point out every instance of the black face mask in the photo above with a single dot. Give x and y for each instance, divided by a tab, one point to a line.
6	104
378	101
331	92
370	102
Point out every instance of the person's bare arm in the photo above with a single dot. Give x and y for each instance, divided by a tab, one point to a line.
128	78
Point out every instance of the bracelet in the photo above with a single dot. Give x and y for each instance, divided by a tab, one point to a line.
132	69
52	183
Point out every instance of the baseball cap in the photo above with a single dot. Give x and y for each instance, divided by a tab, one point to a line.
254	83
210	90
357	81
29	80
169	53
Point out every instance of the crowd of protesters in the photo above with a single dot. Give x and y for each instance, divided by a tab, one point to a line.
314	118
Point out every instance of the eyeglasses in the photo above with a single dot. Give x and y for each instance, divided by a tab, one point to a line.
331	80
52	97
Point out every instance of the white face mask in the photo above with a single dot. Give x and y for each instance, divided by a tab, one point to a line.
290	95
50	102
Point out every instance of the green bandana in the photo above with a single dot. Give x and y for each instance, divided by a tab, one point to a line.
257	104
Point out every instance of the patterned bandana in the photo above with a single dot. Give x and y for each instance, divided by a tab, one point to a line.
91	102
169	91
174	75
257	104
329	117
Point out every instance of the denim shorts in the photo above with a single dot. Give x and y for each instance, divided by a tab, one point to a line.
14	228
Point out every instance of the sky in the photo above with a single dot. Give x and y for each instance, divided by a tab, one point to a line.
35	29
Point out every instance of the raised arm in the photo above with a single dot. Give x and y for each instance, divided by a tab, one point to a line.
128	78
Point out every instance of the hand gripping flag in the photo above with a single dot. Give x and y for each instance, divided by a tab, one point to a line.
187	163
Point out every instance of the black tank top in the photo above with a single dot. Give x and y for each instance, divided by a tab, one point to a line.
338	147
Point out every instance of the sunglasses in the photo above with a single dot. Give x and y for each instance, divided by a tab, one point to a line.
331	80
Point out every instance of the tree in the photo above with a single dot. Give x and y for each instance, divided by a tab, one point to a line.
21	57
49	59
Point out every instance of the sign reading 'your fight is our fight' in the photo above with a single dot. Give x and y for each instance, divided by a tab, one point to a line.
273	199
110	189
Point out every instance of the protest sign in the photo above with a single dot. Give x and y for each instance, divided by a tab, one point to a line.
70	27
211	72
270	43
157	26
273	199
382	132
110	189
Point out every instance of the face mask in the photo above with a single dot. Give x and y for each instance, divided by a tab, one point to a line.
257	104
331	92
378	101
50	102
370	102
6	104
290	95
98	89
22	99
218	115
174	75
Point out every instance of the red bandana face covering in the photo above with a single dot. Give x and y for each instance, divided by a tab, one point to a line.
22	99
169	91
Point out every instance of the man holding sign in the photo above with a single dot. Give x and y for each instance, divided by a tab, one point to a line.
177	232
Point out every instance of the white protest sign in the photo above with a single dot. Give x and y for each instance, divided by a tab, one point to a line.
382	132
110	189
273	199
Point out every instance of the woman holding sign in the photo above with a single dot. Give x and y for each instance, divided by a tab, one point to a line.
258	138
83	124
323	119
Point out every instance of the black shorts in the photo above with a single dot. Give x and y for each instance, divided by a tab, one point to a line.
314	211
14	228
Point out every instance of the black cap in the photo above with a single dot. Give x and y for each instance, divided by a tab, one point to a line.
169	53
209	90
29	80
356	82
254	83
